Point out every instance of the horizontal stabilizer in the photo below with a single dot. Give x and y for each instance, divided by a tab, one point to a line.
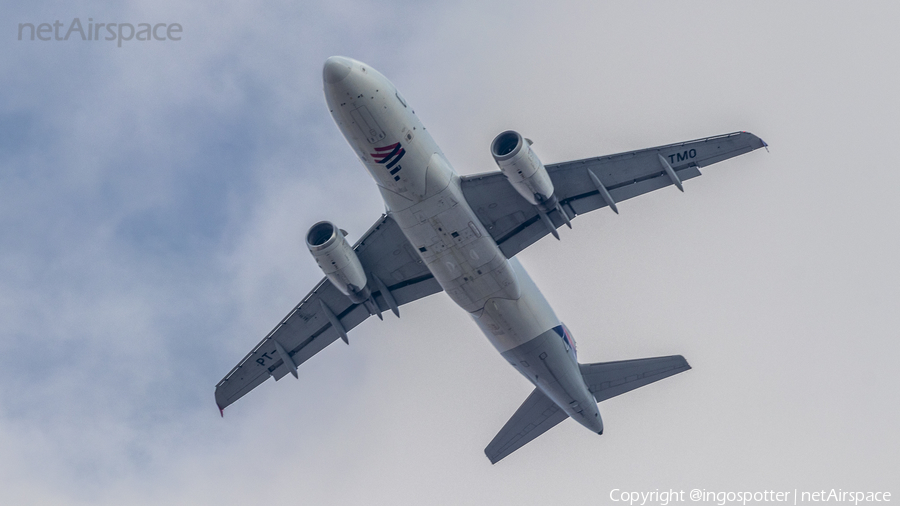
608	379
605	380
535	416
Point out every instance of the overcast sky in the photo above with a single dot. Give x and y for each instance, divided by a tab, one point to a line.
154	196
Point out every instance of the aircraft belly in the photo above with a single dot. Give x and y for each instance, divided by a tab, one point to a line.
468	264
508	322
422	193
452	242
420	189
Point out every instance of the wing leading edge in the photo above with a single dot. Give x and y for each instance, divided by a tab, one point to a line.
384	252
515	224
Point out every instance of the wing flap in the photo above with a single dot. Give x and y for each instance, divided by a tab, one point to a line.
530	231
585	203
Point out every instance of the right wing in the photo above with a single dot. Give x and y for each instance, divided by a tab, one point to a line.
514	223
383	251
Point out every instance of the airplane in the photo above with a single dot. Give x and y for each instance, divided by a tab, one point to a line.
460	235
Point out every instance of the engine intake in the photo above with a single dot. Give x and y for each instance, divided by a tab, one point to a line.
338	261
523	169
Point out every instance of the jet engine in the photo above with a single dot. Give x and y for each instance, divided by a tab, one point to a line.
337	260
523	169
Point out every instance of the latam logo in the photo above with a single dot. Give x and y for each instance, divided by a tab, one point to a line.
563	332
390	155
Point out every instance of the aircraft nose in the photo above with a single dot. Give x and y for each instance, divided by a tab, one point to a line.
336	69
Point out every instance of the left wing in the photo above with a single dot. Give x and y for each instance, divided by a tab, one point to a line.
383	252
515	224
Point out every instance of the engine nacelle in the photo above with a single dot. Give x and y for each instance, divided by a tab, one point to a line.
523	169
337	260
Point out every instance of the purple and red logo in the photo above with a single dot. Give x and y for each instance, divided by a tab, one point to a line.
563	332
390	155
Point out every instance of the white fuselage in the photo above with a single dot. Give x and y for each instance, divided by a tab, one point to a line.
422	194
